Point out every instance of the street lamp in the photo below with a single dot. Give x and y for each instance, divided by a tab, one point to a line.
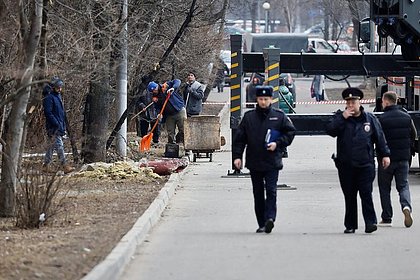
266	7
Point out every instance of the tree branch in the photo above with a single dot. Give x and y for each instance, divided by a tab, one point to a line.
150	76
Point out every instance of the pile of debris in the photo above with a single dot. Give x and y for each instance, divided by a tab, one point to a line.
116	171
153	169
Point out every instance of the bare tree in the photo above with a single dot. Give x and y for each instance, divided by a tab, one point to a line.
152	75
285	12
77	44
96	114
358	9
30	30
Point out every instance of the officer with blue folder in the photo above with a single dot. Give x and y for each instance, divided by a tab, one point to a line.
265	132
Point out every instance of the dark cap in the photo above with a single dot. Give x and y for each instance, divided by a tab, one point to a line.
264	91
352	93
57	83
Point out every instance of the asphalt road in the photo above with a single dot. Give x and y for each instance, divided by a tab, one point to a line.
208	228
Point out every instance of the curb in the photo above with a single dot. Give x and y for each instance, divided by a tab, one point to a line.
113	265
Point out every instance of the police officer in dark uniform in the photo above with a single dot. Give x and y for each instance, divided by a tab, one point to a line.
265	132
357	131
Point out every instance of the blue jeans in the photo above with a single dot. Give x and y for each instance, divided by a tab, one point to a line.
399	171
55	144
264	186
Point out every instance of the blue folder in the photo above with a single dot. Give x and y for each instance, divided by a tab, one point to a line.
272	136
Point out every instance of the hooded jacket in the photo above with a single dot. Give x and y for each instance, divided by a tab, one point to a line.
55	115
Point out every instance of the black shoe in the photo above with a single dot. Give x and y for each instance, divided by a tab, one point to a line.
259	230
349	230
370	228
269	225
385	223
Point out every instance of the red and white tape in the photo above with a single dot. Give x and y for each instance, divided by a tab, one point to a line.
215	103
363	101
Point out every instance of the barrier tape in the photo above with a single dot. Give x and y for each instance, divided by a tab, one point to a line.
363	101
215	103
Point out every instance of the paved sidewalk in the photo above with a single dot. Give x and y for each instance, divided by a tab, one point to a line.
207	230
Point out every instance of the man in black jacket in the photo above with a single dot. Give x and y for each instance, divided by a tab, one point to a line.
265	132
148	118
400	134
357	131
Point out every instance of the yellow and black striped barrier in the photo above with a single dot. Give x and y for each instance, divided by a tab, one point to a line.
235	81
272	72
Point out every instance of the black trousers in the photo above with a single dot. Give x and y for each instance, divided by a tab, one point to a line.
264	186
355	180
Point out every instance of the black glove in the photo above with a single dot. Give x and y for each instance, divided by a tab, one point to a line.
141	106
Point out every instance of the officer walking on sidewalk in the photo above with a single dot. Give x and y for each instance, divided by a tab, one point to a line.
356	131
400	134
265	132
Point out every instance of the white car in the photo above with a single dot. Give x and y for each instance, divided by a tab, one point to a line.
320	45
342	46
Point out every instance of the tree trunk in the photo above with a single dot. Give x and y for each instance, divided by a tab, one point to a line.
96	118
355	20
97	103
287	18
15	123
334	34
254	9
326	27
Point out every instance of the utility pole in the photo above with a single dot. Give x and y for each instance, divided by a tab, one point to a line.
122	82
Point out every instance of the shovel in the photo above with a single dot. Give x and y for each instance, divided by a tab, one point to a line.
143	110
146	140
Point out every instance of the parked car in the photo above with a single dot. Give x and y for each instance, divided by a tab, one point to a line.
320	45
341	46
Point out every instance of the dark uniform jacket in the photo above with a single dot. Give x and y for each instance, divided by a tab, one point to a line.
400	132
356	137
251	133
